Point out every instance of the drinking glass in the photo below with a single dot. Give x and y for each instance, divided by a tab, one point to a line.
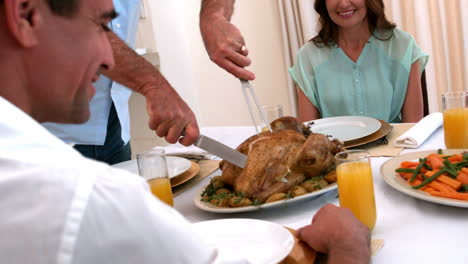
455	109
271	113
355	185
152	167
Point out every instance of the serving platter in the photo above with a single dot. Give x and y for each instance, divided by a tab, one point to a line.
206	206
393	179
345	128
255	241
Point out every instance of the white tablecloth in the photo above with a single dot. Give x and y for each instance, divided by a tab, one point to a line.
414	231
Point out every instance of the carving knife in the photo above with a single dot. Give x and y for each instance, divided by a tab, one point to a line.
219	149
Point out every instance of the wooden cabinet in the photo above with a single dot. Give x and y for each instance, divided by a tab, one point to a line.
146	41
142	138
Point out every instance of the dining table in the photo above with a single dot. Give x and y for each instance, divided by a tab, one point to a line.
413	230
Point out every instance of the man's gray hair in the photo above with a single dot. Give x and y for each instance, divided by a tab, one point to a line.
66	8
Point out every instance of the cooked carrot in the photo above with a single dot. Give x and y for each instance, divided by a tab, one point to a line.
462	177
428	189
435	160
455	158
427	180
455	195
431	172
454	184
447	187
444	155
415	182
439	187
405	175
409	164
438	175
419	177
417	171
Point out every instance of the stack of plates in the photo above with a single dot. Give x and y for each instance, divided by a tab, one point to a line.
352	130
180	169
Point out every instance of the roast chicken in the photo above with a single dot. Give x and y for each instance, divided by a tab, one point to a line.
281	159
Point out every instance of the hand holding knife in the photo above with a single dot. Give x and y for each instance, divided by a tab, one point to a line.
219	149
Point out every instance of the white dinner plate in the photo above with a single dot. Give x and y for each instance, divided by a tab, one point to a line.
345	128
394	180
175	166
256	241
206	206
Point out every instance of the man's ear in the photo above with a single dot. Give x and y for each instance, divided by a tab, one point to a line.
23	18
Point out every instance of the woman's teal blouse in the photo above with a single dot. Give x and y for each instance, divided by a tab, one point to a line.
374	86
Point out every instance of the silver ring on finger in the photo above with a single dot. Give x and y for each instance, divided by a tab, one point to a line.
243	49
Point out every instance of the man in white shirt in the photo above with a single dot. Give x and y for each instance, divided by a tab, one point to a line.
59	207
55	205
106	135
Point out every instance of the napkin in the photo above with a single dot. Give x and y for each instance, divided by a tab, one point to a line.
191	152
415	136
388	150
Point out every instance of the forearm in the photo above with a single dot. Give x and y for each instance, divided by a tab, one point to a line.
412	115
412	110
306	111
168	114
216	8
355	250
131	69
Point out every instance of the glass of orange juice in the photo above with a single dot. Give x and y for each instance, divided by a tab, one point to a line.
152	166
455	108
355	185
271	113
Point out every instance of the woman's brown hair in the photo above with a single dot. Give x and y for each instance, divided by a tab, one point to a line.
377	21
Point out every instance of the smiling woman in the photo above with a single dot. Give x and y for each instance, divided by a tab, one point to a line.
357	57
329	27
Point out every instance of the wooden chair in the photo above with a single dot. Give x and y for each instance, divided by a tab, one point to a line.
424	94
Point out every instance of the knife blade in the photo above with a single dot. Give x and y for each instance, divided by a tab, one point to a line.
219	149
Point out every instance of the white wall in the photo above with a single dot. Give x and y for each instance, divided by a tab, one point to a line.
173	45
214	95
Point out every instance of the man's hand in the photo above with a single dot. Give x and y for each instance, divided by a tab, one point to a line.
170	116
223	41
336	232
